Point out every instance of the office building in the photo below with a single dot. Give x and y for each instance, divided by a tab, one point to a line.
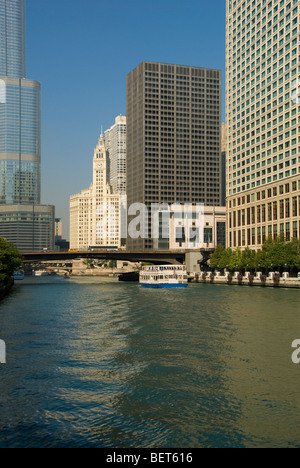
173	139
95	212
60	243
223	164
23	220
190	227
115	139
58	229
262	118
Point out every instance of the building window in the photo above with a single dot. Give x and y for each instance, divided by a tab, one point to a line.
208	235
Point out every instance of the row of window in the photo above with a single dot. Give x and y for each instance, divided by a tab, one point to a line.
264	93
259	8
262	195
272	211
258	235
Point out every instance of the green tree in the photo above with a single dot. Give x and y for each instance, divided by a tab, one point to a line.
216	257
10	260
275	254
292	254
223	258
278	254
235	262
249	259
225	261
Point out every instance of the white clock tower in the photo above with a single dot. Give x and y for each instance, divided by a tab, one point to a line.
95	213
101	184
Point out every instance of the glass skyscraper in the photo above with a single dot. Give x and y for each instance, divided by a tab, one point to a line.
23	220
12	38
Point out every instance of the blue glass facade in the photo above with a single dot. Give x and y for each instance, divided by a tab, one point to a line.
20	105
20	112
23	220
20	141
19	182
12	38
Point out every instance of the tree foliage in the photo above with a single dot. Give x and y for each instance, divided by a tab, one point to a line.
275	254
10	259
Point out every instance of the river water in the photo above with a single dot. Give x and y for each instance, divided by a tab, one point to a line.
98	363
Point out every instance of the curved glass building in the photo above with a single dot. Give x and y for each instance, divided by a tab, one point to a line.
20	145
12	38
20	139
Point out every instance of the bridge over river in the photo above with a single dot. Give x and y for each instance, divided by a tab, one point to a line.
156	257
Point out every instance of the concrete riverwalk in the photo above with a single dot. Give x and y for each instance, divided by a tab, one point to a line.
273	279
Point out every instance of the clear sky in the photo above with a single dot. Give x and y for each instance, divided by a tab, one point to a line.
81	52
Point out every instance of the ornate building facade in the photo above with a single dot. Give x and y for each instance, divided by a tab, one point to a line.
95	212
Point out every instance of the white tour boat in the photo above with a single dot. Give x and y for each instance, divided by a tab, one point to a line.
164	276
40	273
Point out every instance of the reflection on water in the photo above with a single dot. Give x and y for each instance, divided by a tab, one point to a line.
98	363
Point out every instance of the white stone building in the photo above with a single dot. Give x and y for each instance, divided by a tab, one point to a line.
95	212
189	227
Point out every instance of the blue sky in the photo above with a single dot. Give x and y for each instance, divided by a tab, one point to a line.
81	52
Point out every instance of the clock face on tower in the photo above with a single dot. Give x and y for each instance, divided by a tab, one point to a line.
99	165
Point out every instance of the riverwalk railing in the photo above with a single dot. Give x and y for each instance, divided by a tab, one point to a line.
273	279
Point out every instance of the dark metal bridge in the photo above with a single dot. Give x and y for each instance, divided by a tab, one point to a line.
155	257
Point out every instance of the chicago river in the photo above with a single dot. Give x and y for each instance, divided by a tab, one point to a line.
99	363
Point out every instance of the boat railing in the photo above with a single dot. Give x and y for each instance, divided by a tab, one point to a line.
164	268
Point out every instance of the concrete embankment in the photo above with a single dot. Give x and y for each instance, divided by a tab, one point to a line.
272	280
101	272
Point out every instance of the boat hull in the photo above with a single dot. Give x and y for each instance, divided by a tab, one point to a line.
168	285
18	276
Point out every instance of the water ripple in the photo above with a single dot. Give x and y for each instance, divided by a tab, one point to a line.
106	364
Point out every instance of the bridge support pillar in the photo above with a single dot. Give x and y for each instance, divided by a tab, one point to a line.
192	260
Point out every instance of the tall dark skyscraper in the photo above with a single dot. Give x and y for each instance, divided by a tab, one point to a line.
173	137
23	220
